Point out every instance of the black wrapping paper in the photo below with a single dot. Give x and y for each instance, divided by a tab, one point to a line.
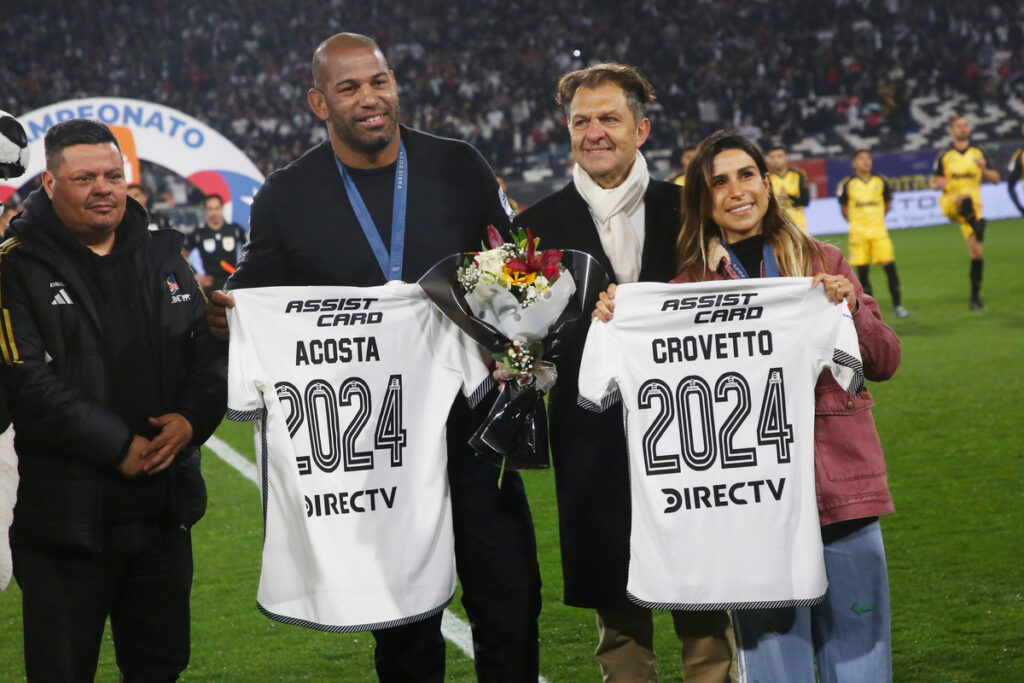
515	432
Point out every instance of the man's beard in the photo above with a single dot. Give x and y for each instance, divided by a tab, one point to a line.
364	143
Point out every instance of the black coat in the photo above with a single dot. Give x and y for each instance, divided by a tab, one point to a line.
589	450
69	441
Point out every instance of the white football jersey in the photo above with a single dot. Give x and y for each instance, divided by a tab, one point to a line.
350	389
717	380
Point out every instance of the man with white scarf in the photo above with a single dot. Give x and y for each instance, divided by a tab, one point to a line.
615	211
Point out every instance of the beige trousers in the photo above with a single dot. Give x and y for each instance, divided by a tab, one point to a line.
625	648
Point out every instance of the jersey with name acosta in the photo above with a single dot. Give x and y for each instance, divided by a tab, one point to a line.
351	388
717	379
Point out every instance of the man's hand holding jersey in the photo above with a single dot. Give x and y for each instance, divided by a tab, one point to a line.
217	314
605	306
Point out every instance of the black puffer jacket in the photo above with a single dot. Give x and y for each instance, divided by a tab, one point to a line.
56	371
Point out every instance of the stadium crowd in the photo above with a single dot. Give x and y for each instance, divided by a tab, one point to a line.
483	72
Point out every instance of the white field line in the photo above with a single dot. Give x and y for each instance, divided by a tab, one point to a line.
453	628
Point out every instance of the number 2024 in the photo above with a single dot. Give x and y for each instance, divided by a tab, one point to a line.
329	447
692	402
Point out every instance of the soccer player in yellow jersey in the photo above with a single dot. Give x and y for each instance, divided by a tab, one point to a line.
1016	174
865	198
679	177
789	185
959	171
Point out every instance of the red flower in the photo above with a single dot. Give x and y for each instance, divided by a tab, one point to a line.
546	262
494	237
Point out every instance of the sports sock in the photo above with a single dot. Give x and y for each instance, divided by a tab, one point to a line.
976	267
894	283
862	275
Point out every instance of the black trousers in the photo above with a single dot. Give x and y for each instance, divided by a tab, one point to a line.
496	558
142	579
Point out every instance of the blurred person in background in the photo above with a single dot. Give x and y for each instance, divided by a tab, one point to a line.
215	246
864	199
789	185
959	171
11	208
679	177
1016	174
139	193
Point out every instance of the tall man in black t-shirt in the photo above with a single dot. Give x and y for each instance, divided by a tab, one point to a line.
218	244
315	222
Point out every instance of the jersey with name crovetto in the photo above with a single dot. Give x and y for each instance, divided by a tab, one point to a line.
350	388
717	380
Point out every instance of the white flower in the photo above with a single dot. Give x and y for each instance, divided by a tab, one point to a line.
468	276
491	261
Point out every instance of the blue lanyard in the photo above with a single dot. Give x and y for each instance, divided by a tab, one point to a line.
390	264
771	269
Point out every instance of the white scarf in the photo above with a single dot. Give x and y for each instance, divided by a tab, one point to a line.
611	209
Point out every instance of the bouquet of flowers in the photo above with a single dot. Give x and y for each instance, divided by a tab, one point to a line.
520	292
514	267
513	299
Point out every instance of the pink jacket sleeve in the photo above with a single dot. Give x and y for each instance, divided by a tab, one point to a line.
879	345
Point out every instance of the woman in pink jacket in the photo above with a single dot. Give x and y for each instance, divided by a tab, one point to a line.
734	228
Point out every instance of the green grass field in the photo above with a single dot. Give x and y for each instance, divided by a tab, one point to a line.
952	424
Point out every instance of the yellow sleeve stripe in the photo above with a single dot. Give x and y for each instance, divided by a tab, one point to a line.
8	349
